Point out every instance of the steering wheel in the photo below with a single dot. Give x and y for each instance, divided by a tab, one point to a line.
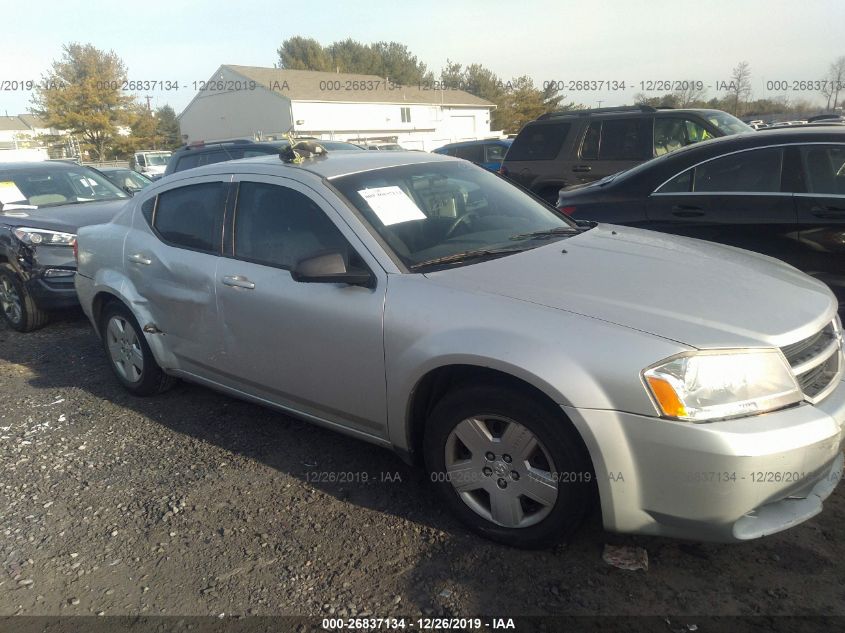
459	221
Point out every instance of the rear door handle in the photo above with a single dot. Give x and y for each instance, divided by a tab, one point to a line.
582	168
140	258
687	211
830	213
238	281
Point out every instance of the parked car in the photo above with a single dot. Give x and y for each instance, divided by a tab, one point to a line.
488	153
781	193
568	148
422	303
395	147
150	163
127	179
200	153
41	207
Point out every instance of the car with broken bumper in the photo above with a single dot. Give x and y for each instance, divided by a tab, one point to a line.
42	204
534	366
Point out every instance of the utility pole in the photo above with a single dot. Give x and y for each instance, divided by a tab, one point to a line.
148	98
600	101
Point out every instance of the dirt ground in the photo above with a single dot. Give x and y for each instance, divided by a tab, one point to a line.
193	503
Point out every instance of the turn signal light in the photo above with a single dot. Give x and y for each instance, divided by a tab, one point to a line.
666	397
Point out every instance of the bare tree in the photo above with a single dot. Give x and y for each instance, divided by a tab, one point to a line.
836	76
740	86
690	95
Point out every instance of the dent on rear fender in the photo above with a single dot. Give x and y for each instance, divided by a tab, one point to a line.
115	283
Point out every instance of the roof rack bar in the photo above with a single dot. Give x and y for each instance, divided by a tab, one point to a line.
633	108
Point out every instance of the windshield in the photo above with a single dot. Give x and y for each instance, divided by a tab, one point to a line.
429	211
727	123
157	159
46	186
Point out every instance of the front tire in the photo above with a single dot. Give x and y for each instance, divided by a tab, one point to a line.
511	468
129	355
17	305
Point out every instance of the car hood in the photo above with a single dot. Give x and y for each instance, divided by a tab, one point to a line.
67	217
698	293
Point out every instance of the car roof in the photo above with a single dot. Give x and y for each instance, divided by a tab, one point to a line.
330	165
505	141
40	165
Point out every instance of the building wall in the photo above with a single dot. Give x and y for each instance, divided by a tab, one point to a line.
217	114
425	126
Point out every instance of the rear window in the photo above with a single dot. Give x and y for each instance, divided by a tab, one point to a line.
539	141
474	153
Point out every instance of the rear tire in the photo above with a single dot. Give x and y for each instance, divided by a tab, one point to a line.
129	355
513	469
17	305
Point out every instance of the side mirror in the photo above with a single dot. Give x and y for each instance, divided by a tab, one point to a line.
330	268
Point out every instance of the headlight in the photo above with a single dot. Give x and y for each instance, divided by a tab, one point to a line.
713	385
43	236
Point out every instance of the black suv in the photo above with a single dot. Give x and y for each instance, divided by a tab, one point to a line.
561	149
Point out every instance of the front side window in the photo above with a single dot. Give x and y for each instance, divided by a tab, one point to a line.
541	141
191	216
825	168
278	226
671	133
435	210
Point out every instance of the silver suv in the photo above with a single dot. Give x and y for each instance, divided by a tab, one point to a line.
531	363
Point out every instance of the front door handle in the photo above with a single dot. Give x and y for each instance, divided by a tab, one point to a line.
238	281
687	211
140	258
582	168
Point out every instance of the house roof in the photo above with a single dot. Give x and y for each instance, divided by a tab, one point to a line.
32	121
305	85
13	123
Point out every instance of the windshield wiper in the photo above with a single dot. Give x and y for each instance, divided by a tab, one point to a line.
456	258
546	233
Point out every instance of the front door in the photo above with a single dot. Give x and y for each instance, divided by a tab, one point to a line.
314	347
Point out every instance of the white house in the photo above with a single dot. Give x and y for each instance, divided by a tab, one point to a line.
264	103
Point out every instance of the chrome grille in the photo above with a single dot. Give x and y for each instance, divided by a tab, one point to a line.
816	361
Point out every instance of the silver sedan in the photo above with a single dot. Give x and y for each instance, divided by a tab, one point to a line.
532	364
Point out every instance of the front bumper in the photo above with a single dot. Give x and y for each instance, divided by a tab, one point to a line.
53	293
722	481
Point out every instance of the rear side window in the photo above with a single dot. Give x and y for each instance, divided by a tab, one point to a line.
755	171
192	216
474	153
539	141
617	139
188	161
495	153
825	167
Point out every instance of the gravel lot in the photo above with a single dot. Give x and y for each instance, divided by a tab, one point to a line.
193	503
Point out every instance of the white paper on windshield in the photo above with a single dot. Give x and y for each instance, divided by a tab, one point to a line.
9	192
391	205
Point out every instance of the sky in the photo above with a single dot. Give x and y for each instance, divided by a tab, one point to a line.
606	40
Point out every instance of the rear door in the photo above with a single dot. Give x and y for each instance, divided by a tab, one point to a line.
821	212
611	145
737	199
316	348
171	255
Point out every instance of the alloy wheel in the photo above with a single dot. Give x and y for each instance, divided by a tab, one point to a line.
501	470
125	349
10	300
